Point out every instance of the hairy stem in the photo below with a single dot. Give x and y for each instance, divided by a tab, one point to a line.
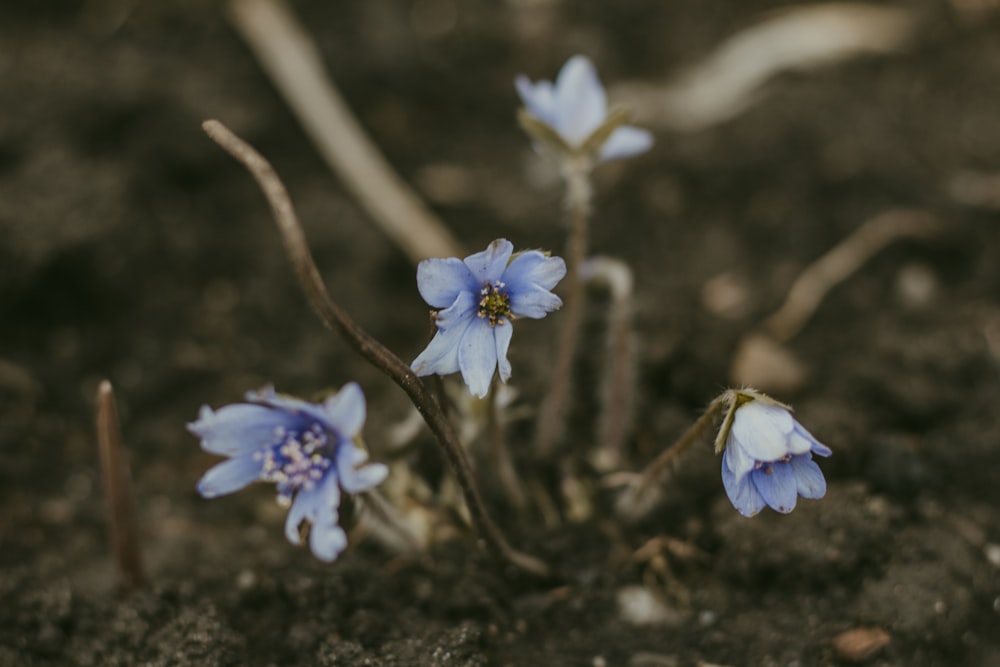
551	426
336	319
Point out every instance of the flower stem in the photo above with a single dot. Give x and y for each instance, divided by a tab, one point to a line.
337	319
551	426
500	453
639	497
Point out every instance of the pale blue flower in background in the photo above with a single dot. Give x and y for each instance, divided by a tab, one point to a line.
768	459
308	450
576	106
478	298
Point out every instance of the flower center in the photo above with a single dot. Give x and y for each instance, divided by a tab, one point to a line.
297	461
494	303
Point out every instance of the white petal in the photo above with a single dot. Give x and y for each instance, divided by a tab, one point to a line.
735	458
439	281
625	142
581	104
487	266
229	476
477	357
538	99
503	333
762	430
346	410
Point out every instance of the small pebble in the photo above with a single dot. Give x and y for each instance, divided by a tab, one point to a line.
860	644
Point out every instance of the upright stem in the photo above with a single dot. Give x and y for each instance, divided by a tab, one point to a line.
118	491
500	453
552	414
337	319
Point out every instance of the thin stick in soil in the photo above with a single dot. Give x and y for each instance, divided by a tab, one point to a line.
124	532
336	319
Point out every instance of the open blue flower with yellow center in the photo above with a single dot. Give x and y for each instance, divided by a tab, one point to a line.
575	109
306	449
768	457
478	298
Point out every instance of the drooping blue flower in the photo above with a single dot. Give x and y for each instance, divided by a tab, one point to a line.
576	106
478	298
308	450
768	457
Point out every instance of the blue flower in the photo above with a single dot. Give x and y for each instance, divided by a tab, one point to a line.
306	449
768	457
478	298
576	107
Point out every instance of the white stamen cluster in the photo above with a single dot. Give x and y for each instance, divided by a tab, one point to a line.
297	461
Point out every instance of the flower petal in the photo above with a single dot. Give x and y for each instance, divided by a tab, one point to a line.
345	410
477	357
762	430
327	541
487	266
538	99
776	484
439	281
532	267
625	142
735	458
533	302
355	475
441	355
316	505
503	333
742	493
580	102
229	476
809	478
240	428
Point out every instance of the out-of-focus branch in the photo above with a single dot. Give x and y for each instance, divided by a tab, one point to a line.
292	61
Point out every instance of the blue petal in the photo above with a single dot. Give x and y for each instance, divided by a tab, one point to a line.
441	355
809	480
625	142
487	266
503	333
313	505
306	412
240	428
533	302
439	281
742	493
534	268
327	541
581	104
355	479
346	410
815	446
229	476
477	357
777	485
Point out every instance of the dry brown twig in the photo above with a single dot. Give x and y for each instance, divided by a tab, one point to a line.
292	61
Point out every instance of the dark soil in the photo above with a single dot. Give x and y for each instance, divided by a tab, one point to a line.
134	249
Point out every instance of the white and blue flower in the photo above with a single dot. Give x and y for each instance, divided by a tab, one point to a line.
478	298
576	109
308	450
767	458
